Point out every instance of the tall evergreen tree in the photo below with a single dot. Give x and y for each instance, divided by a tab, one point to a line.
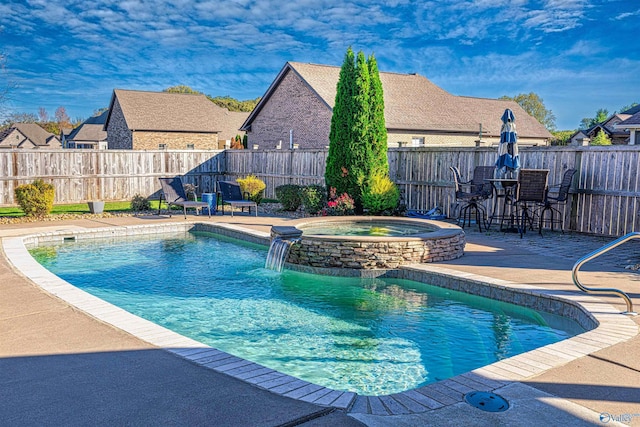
380	161
340	135
358	136
359	158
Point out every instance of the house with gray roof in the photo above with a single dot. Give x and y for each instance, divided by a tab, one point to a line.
632	125
90	134
140	120
28	136
298	105
614	127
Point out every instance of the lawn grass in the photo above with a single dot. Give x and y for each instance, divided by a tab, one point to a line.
75	208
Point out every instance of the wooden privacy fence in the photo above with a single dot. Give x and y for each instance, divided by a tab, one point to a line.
81	175
604	198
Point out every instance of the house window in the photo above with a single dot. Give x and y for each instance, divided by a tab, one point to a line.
417	141
190	147
162	146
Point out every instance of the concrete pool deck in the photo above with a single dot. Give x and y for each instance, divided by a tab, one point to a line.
61	366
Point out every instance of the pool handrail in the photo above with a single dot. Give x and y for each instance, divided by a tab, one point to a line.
597	253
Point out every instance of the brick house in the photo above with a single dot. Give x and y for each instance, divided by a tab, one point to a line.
28	136
614	127
139	120
298	105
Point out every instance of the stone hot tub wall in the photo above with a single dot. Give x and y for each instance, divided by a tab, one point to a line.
446	242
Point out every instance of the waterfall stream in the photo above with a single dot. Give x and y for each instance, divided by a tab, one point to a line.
278	252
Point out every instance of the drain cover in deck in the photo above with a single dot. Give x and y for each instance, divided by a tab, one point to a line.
487	401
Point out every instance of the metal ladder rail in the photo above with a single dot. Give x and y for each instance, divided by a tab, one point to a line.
596	253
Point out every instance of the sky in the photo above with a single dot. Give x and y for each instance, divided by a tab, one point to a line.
577	55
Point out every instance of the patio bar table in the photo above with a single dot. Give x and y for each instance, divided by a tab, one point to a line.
504	189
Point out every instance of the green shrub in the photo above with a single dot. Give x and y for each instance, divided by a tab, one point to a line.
601	138
314	198
35	199
139	203
289	196
254	186
381	196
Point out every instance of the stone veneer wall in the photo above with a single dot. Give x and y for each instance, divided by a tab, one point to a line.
149	140
292	106
118	134
345	253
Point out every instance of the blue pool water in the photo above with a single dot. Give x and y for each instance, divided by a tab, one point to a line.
370	336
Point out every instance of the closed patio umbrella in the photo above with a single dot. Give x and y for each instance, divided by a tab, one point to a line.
508	159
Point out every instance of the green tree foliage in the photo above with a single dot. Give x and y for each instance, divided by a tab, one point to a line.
534	105
601	138
588	122
628	107
360	150
340	133
561	137
181	89
380	161
233	104
227	102
358	135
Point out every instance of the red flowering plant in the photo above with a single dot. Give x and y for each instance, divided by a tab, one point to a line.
340	205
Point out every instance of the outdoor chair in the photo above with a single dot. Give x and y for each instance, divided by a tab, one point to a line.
230	194
172	191
556	195
470	195
530	192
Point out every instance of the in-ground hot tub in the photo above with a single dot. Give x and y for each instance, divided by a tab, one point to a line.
366	242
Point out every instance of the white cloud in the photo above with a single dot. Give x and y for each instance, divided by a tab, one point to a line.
626	15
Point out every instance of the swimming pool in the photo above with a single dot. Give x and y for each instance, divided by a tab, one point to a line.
370	336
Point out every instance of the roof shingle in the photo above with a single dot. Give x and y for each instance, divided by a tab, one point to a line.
33	132
412	102
164	111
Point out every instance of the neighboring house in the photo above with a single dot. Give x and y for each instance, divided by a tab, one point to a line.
230	124
631	125
297	109
28	136
580	138
64	133
140	120
612	127
90	134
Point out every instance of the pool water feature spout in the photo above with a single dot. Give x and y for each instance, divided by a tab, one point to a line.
282	238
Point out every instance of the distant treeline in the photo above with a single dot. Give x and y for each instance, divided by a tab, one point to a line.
227	102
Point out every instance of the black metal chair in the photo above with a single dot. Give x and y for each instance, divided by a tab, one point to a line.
173	193
470	194
231	194
531	191
556	195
